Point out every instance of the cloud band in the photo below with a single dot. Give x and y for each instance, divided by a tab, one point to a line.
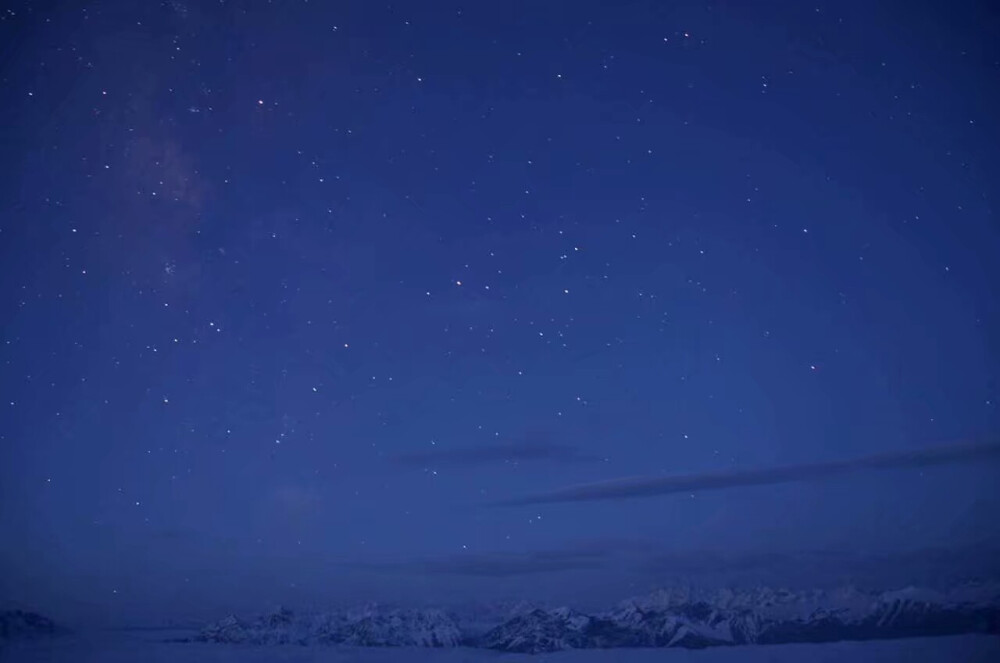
634	487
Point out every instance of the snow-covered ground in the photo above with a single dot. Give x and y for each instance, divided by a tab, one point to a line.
147	647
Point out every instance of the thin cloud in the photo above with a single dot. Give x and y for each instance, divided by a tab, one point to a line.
518	452
498	565
648	559
634	487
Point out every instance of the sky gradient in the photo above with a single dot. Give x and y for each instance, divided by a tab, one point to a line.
293	291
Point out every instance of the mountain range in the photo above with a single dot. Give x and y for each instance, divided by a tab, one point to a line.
677	617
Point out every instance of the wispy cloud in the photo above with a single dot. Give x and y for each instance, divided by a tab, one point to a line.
498	565
634	487
659	562
513	452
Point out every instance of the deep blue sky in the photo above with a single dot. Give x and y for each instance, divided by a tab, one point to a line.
256	256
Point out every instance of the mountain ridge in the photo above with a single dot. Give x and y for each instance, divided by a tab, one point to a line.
670	617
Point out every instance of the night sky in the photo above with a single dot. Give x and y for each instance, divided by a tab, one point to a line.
294	293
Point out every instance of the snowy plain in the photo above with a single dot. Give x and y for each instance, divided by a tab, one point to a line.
149	647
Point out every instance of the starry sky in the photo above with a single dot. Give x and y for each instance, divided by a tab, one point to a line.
293	293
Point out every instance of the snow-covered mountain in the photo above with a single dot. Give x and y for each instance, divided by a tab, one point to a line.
369	626
679	617
476	618
693	619
540	630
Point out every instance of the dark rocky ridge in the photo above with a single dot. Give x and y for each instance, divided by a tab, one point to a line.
24	625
